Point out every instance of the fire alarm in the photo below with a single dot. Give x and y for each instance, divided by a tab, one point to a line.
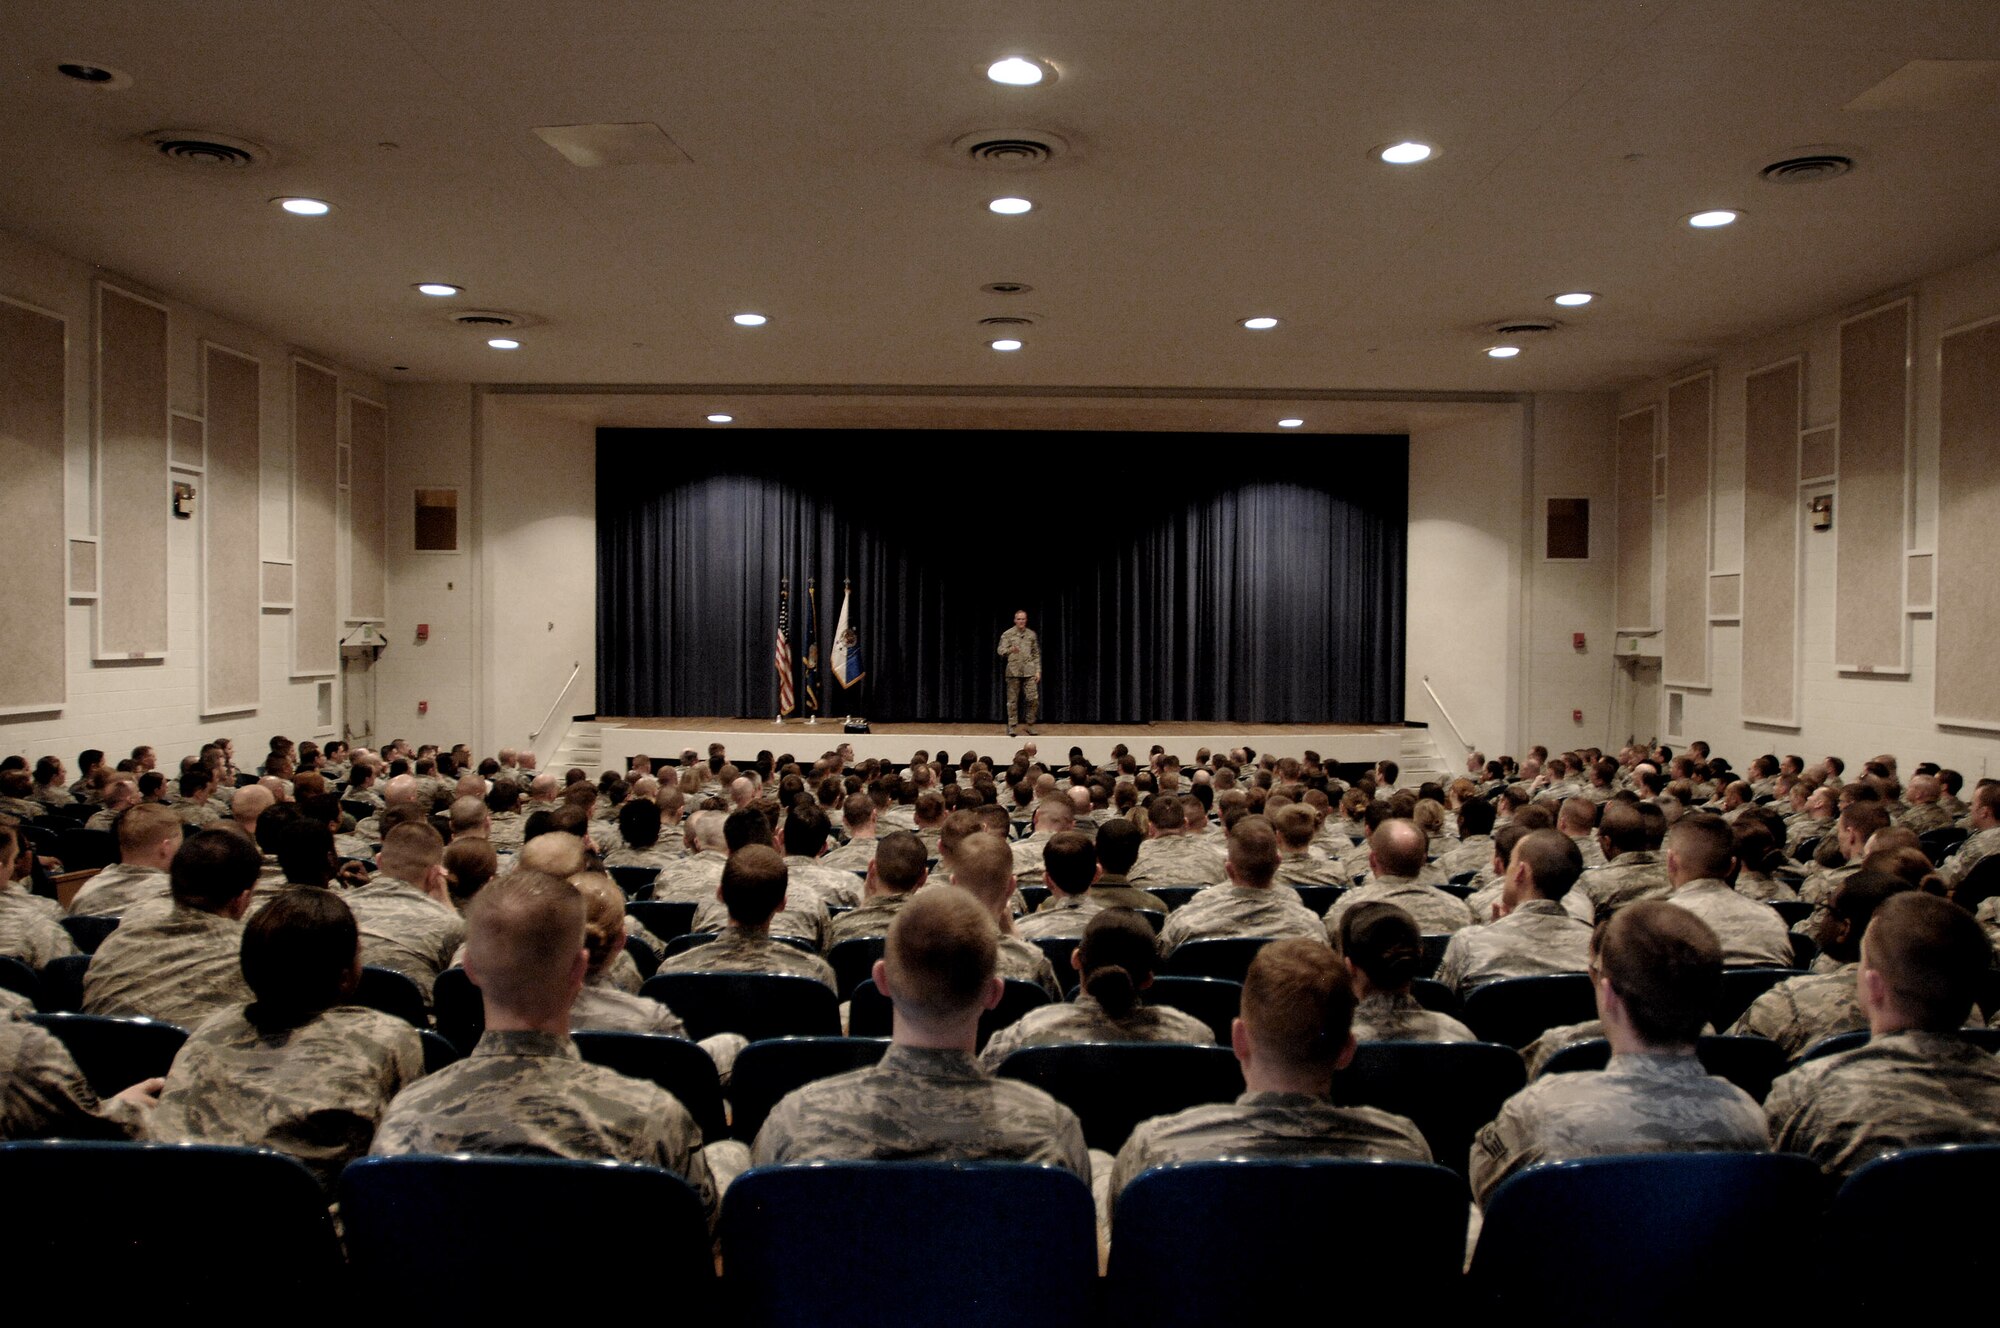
423	631
1576	717
1576	639
423	707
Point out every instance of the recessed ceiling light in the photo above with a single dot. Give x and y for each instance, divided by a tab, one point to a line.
1005	343
304	207
1010	207
749	320
721	419
1259	324
1503	352
1574	299
438	288
503	343
1016	71
1405	153
1708	221
1290	424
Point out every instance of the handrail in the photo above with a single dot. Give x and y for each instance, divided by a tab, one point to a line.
1447	714
556	704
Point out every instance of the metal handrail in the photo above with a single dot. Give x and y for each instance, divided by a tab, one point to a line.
556	704
1447	714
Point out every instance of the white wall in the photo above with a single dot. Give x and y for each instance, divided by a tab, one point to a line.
1569	597
430	446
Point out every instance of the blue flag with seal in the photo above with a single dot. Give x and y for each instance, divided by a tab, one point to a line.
846	657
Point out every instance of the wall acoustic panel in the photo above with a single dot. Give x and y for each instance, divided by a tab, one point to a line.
1773	411
367	525
132	487
1690	453
1967	592
83	567
1871	500
35	589
185	435
1816	449
233	393
1635	518
315	521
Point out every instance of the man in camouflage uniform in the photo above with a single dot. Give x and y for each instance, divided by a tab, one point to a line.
1984	839
1916	1083
179	959
1250	904
1633	868
43	1095
1657	972
693	881
1533	934
1022	650
1700	850
1578	820
753	886
1475	840
803	840
120	791
1801	1011
148	838
1395	857
1117	846
1296	826
984	865
1069	865
1924	814
404	912
1053	816
1858	822
1174	853
524	1089
928	1098
17	796
1298	1004
195	807
857	816
893	877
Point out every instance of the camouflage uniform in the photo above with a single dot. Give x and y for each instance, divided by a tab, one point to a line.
1819	890
1762	888
1625	879
660	856
1436	911
196	815
872	918
1988	914
1023	961
405	929
1637	1104
737	951
1389	1017
1804	828
1750	932
24	809
117	888
1084	1020
29	930
168	961
1022	650
102	819
1112	891
504	829
1241	910
691	881
920	1104
530	1094
1303	868
1538	937
1590	849
1552	1040
836	889
1902	1090
1925	817
604	1006
44	1096
1975	846
1803	1010
1059	915
802	915
1472	853
1267	1125
1028	858
53	795
1177	860
315	1092
854	856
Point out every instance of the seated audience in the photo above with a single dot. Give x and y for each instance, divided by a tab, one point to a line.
1117	845
894	873
179	959
1175	852
1700	853
1249	904
1396	851
802	913
1069	865
985	869
803	839
1385	952
405	914
753	885
1801	1011
1532	934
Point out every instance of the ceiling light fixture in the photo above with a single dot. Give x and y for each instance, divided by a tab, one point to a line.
1010	207
1406	153
1503	352
1016	71
749	320
102	77
1259	324
440	289
721	419
1574	299
1708	221
503	343
1005	343
1290	424
304	207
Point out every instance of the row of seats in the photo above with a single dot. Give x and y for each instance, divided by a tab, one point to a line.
1749	1235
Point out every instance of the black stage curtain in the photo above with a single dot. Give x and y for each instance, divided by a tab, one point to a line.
1171	576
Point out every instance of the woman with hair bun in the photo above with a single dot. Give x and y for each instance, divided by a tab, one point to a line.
1116	958
1384	950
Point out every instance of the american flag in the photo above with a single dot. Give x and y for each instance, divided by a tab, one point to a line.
783	658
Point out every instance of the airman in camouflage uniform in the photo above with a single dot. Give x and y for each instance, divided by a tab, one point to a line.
168	961
1538	937
735	950
29	930
404	928
1240	910
1171	857
1975	847
1084	1020
1022	650
1751	933
1912	1089
1631	876
1436	911
1801	1011
836	889
1060	915
1024	961
872	918
315	1092
803	915
692	880
118	888
43	1095
1384	1016
1472	853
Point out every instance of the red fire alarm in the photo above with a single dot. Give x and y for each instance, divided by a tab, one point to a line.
423	707
1576	717
423	631
1576	639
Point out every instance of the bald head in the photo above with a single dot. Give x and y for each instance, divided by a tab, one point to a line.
1397	848
250	803
555	853
402	789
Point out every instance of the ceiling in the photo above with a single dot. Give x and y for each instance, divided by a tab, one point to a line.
1218	168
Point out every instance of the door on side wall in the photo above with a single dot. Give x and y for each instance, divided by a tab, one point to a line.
1639	698
357	686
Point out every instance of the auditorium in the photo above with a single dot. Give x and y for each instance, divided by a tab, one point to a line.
1435	470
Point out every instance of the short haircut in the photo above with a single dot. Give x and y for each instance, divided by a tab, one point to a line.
806	830
1384	942
1253	851
1398	847
1553	859
1623	827
556	852
1118	843
1854	903
409	851
1295	825
467	814
1665	964
1070	862
1704	844
298	957
144	826
1932	954
753	884
1865	818
1476	816
940	953
900	859
1054	813
1298	1003
1165	813
305	851
984	865
468	865
213	867
741	829
522	933
639	823
858	810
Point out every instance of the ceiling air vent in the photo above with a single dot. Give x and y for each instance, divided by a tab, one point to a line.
1526	327
1009	149
1006	288
1809	169
195	147
1007	321
486	318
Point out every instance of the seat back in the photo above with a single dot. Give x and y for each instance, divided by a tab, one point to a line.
870	1015
1751	1063
1740	989
1059	949
766	1071
113	1053
443	1238
854	962
1897	1212
1034	896
1687	1225
112	1223
1937	844
664	920
16	976
1173	896
756	1005
1318	898
644	957
461	1012
1434	944
1435	996
1447	1089
393	993
636	882
62	983
1214	1001
687	941
675	1064
1515	1011
1112	1086
438	1051
89	932
1247	1268
82	848
1804	950
949	1244
1224	957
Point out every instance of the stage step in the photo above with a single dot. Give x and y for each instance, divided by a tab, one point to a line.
583	747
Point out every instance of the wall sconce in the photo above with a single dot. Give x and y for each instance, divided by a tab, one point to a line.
1822	512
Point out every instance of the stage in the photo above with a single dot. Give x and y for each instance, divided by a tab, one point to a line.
1341	744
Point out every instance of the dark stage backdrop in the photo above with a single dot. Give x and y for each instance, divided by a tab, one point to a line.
1171	576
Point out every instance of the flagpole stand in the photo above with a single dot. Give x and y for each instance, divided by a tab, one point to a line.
813	720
